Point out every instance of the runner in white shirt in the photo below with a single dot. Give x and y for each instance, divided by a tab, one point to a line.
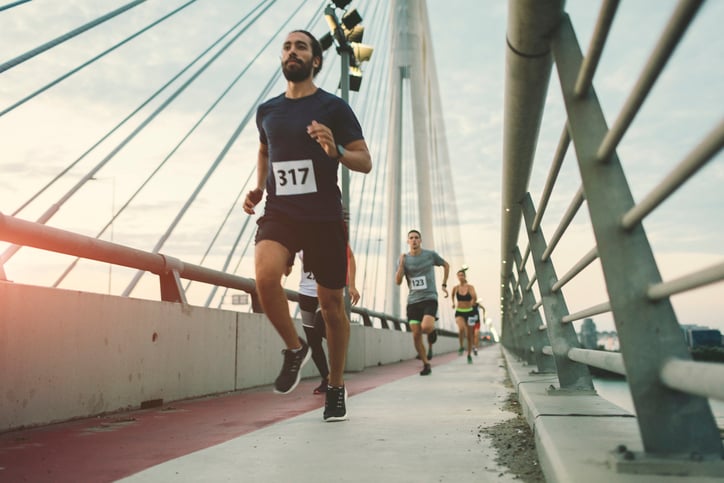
312	320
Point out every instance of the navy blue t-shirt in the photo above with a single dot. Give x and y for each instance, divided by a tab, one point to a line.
302	181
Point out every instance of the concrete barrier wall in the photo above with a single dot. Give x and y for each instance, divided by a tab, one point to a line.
67	354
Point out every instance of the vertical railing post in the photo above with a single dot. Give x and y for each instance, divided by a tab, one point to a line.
513	339
169	280
572	376
505	329
526	332
537	339
519	320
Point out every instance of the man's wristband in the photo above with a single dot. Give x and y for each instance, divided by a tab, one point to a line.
341	151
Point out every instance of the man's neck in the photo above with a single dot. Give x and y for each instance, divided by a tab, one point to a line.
297	90
415	251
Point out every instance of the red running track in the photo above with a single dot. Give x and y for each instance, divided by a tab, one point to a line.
114	446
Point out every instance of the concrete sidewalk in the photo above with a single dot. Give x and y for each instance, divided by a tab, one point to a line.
414	429
576	435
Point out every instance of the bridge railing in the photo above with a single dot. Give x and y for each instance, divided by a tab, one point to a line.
170	270
664	381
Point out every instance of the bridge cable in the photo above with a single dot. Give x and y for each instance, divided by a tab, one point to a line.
49	45
13	4
380	164
93	59
134	112
54	208
237	132
173	151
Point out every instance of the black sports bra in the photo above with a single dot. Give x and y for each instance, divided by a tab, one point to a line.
464	298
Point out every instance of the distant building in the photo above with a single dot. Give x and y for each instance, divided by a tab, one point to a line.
700	336
588	336
608	340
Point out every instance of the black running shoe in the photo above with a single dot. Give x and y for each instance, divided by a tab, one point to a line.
335	405
292	369
426	370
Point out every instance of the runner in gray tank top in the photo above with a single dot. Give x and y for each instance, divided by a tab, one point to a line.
418	268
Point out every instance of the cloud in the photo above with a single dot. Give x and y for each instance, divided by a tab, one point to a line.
51	131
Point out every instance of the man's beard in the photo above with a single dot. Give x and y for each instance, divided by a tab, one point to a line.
300	73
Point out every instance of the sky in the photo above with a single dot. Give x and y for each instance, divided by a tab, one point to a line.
43	136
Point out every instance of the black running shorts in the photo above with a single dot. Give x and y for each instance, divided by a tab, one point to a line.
324	244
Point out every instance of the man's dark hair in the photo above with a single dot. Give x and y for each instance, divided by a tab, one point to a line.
415	231
316	49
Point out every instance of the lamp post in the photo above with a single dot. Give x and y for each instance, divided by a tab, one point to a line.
346	34
343	49
113	217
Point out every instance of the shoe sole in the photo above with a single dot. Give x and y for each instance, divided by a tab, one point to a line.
299	374
335	419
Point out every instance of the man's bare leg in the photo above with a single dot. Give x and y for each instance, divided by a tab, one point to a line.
271	259
331	302
417	341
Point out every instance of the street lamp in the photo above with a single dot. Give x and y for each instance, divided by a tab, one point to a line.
348	36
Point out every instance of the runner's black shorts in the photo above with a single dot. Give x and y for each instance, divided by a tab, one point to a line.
416	311
307	303
324	244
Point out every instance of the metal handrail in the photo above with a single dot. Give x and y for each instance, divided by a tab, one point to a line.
610	361
638	298
595	48
553	172
585	261
697	279
702	154
601	308
570	213
670	38
36	235
703	378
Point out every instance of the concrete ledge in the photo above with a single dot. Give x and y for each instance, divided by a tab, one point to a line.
577	434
